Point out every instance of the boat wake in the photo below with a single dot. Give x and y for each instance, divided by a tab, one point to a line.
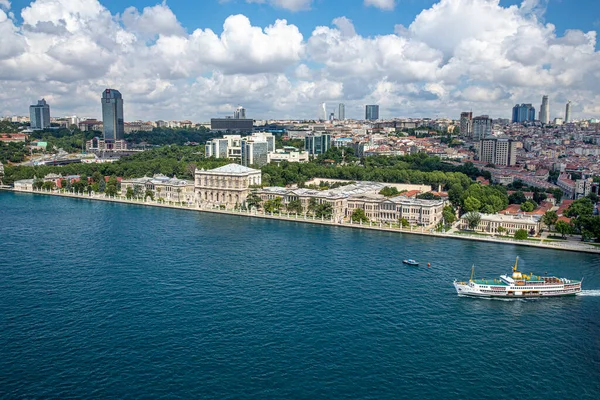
497	298
593	293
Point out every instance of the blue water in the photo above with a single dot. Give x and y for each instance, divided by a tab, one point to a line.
108	300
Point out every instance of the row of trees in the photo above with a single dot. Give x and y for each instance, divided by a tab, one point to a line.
12	151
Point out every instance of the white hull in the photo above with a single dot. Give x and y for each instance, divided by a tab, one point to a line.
473	290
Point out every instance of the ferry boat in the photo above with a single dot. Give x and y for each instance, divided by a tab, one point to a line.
410	261
518	285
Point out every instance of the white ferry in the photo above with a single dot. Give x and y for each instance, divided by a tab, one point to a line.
518	285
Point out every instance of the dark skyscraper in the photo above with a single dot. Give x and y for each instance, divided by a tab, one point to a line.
39	115
372	112
112	115
523	112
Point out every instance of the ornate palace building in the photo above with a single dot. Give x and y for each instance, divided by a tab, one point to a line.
225	186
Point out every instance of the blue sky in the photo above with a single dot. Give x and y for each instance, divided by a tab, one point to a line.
564	14
459	55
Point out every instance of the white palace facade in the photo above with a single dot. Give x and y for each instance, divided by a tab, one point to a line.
227	186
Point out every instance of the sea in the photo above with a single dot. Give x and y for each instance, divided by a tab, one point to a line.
107	300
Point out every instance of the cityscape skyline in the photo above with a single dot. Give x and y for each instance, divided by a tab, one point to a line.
254	58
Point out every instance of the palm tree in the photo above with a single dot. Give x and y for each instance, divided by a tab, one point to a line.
473	218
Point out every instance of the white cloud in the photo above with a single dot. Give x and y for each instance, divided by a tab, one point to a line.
68	51
381	4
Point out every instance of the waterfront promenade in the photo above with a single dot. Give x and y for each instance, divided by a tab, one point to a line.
452	234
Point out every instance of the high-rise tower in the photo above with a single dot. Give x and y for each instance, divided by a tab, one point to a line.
112	115
39	115
466	124
545	110
372	112
342	112
568	112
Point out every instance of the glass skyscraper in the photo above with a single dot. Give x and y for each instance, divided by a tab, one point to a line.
523	112
39	115
112	115
372	112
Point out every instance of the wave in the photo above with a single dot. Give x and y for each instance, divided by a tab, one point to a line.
594	293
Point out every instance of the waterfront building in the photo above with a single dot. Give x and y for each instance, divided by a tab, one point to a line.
466	124
523	113
1	172
391	210
162	187
112	115
317	143
345	199
39	115
225	186
568	112
342	112
490	223
545	110
372	112
482	127
23	185
498	151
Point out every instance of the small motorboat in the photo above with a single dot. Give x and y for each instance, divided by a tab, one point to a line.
410	261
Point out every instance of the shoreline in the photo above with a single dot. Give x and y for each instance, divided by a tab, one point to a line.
564	246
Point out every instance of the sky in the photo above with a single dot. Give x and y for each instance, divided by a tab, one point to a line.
197	59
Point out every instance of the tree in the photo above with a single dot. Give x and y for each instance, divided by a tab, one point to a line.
521	234
313	204
324	210
428	196
148	193
563	228
517	198
550	218
528	206
404	223
449	215
358	215
472	204
253	200
49	185
389	191
582	207
273	205
129	193
502	230
473	219
295	206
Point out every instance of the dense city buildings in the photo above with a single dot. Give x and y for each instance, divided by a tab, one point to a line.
372	112
482	127
545	110
466	124
39	115
112	115
498	151
317	143
341	112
